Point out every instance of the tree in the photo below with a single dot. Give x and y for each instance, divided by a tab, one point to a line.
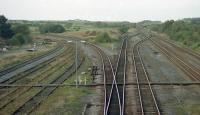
103	38
51	28
14	42
20	39
5	28
124	29
3	19
188	33
21	28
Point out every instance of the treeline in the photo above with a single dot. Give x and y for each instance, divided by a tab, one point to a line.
100	24
51	28
76	24
15	34
186	32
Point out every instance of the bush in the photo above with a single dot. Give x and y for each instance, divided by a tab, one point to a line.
22	29
187	33
14	42
124	29
103	38
51	28
19	39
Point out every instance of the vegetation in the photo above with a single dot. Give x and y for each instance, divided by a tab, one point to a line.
5	28
21	36
20	39
186	32
103	38
68	25
51	28
123	29
18	34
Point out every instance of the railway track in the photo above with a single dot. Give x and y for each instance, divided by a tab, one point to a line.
114	95
16	78
36	100
189	51
108	74
190	58
189	70
14	67
15	70
147	101
15	93
117	95
177	98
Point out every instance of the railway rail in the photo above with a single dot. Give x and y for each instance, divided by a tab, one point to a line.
14	67
147	101
29	65
193	73
189	51
16	78
108	74
117	96
174	57
114	95
191	59
15	93
33	102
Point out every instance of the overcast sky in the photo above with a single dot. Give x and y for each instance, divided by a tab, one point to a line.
103	10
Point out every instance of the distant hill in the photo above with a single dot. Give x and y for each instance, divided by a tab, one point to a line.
149	22
192	20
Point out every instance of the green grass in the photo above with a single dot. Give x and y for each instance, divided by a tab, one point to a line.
84	68
25	94
67	100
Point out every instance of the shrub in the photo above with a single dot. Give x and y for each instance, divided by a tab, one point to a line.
103	38
19	39
124	29
51	28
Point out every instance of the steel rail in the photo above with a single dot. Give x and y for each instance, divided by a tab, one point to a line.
124	82
104	57
184	66
14	67
181	51
147	78
189	51
29	66
25	90
34	101
115	83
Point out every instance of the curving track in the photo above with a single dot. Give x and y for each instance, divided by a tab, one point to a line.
185	66
148	104
15	93
33	102
114	94
186	50
12	68
117	96
108	74
18	77
28	65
